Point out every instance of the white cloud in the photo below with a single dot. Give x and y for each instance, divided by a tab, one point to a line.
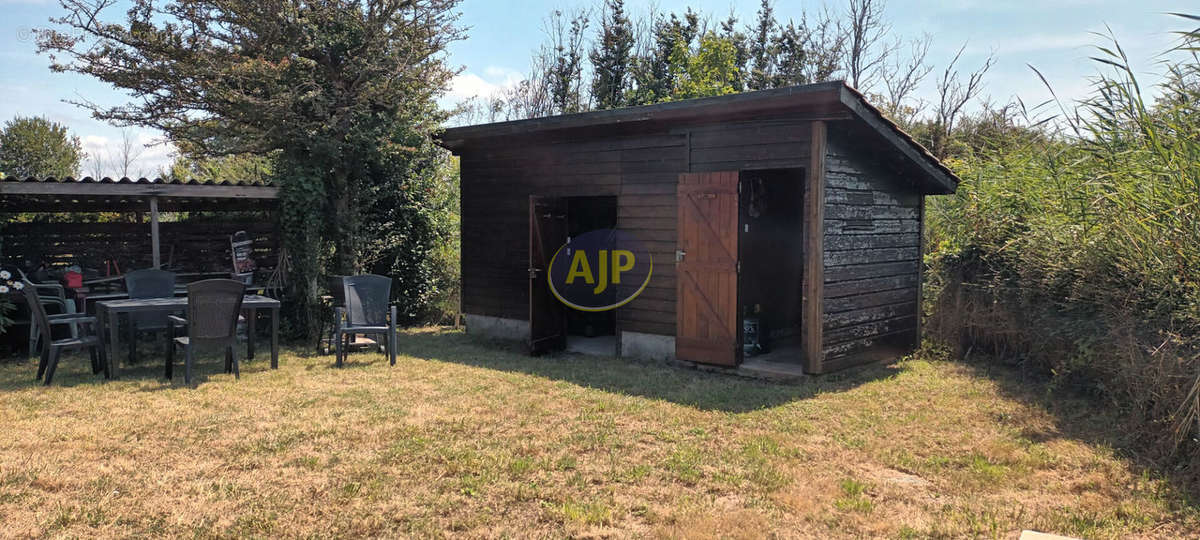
495	79
148	155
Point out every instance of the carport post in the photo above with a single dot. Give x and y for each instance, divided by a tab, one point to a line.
154	231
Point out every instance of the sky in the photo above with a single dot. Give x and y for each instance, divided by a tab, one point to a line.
1055	36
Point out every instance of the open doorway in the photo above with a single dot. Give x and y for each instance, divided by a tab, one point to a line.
591	332
771	251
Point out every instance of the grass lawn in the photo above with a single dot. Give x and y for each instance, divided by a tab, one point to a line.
464	438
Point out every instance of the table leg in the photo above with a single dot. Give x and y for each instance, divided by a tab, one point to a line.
104	357
252	316
275	338
113	320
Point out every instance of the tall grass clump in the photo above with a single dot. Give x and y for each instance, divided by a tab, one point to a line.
1073	246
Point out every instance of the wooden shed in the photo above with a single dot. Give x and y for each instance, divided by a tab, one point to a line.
800	208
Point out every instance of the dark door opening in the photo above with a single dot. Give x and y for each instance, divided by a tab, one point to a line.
591	332
771	246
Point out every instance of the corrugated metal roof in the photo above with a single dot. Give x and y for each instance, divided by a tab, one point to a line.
127	180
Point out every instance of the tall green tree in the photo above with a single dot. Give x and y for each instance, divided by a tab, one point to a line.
611	57
35	146
710	70
762	48
564	61
331	86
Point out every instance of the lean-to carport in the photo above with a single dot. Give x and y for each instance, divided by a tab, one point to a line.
69	195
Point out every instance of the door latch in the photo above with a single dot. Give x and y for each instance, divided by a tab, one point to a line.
533	272
679	254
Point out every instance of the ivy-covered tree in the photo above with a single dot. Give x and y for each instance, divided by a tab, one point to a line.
35	146
329	85
611	57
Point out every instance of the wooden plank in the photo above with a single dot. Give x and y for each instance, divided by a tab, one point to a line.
868	256
851	303
870	330
850	211
870	196
812	302
841	242
871	226
860	316
869	286
834	274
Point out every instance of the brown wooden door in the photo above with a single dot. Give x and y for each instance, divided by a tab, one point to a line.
706	270
547	232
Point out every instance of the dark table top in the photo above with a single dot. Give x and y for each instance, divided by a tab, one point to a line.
176	303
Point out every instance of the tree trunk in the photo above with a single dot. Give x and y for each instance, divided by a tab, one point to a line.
345	258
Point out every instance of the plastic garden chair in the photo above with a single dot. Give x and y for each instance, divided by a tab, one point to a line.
147	283
54	347
48	293
212	317
366	311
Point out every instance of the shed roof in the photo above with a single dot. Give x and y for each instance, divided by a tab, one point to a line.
835	100
68	194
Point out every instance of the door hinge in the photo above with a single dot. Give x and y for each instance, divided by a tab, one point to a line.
739	267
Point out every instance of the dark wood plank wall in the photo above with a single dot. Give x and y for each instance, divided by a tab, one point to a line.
195	246
872	257
641	169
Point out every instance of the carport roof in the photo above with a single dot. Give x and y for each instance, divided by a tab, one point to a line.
68	194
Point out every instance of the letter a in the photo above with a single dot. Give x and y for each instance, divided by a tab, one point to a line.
580	268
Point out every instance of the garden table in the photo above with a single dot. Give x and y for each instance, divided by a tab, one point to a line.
108	314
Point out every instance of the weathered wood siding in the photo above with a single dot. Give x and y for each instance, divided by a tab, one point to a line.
872	257
197	246
641	169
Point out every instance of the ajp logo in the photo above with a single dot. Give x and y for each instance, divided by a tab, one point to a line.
600	270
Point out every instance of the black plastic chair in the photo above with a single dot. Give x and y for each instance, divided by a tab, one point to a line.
337	299
147	283
48	293
367	311
212	317
53	348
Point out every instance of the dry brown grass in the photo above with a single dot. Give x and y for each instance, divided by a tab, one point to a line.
463	438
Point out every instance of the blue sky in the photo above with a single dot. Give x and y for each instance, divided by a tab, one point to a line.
1053	35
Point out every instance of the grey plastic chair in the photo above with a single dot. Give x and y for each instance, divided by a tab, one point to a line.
48	293
147	283
212	317
366	311
54	347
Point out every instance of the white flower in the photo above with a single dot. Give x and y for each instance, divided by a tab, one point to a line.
3	289
18	285
5	274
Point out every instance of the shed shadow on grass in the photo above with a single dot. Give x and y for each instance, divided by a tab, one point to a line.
654	380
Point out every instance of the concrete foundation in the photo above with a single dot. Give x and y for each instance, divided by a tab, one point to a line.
647	346
496	327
